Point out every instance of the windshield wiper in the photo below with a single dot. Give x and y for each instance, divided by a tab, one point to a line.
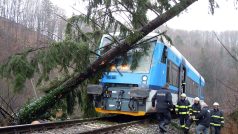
118	70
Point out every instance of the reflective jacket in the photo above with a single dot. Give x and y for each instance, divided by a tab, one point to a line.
183	107
196	108
217	118
164	100
204	117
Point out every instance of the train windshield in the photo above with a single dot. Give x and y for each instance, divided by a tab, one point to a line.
144	63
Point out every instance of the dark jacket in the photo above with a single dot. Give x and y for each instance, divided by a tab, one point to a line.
164	100
196	108
217	118
204	117
183	107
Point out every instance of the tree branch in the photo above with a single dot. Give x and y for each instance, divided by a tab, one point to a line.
5	112
148	39
114	39
77	27
224	84
8	104
232	56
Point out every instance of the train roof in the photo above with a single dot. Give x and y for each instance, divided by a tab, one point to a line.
117	34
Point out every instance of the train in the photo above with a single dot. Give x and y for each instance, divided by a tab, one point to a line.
129	92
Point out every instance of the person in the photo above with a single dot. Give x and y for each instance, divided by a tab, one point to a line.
182	109
164	103
203	120
217	119
194	111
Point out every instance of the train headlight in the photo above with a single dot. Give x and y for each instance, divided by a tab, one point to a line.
144	78
144	81
124	67
113	68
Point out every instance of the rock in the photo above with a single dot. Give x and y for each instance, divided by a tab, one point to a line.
35	122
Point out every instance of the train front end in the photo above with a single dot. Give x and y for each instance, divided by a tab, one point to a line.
122	90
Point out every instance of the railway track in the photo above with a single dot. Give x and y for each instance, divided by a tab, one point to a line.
85	126
118	128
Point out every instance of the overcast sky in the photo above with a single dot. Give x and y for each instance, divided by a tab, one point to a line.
196	17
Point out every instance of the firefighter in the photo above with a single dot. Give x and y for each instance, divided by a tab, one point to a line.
204	118
164	103
182	109
217	119
194	111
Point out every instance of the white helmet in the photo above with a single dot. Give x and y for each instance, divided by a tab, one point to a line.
215	104
196	99
183	95
203	104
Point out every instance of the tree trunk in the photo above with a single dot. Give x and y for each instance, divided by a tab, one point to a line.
39	107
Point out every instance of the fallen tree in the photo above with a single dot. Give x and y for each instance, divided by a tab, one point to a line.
39	107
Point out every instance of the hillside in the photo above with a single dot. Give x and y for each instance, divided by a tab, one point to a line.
14	38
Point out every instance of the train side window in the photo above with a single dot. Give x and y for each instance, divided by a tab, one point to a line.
172	74
164	55
202	92
188	86
196	90
191	87
175	71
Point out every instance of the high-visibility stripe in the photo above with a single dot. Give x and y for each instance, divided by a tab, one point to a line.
214	124
222	122
183	106
183	112
182	126
196	111
215	116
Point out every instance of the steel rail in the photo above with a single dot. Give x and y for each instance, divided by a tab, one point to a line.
45	126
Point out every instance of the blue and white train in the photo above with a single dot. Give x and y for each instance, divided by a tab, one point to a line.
123	91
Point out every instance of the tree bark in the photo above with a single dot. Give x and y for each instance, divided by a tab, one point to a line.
31	112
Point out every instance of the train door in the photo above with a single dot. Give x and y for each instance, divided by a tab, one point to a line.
182	80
